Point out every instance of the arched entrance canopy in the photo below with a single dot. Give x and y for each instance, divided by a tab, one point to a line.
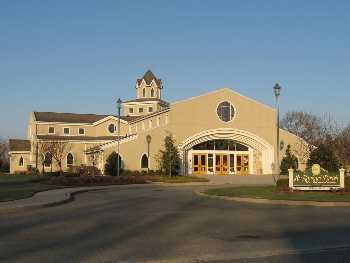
246	138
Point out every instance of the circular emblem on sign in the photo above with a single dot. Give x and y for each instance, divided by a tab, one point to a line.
316	169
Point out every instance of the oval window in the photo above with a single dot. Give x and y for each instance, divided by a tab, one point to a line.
111	128
225	111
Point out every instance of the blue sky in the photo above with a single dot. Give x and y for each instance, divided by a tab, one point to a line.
79	56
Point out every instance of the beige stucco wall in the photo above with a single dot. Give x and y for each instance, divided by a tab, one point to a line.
298	146
195	115
14	162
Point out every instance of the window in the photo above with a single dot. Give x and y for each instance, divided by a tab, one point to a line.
225	111
144	161
143	93
152	92
66	131
21	162
81	131
140	110
111	128
131	110
70	160
48	159
51	130
150	109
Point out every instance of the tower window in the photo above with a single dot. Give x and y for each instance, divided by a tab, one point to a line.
143	93
140	110
131	110
152	92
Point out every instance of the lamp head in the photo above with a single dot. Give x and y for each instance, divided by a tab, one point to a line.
277	90
148	138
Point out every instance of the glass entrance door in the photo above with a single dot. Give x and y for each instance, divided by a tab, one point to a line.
243	164
221	164
199	163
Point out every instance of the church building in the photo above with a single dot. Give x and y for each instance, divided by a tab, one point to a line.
217	133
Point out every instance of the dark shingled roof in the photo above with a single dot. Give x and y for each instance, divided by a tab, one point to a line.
77	138
148	77
19	145
72	117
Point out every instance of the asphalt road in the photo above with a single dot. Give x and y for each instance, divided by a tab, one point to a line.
171	224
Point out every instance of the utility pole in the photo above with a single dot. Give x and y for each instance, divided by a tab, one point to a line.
119	102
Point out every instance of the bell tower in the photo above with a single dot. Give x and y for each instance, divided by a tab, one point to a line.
149	87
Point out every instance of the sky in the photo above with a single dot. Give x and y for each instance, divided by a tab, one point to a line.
80	56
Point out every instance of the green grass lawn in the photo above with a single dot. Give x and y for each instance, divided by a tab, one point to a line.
268	192
20	186
178	179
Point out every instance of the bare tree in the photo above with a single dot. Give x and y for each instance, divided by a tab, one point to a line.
316	131
58	150
44	148
303	124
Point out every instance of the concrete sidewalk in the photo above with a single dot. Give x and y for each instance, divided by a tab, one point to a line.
53	197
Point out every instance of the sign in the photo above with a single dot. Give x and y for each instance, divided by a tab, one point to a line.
316	178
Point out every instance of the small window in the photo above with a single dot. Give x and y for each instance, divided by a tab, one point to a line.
131	110
150	109
140	110
81	131
144	161
21	161
143	93
152	93
70	160
66	131
111	128
51	130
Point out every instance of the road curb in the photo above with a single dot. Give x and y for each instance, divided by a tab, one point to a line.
276	202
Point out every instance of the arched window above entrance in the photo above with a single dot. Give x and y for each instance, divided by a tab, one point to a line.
221	145
144	161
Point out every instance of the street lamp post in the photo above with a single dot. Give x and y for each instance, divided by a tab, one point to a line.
148	139
277	91
119	103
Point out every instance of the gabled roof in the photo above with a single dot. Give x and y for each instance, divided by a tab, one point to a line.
148	77
17	145
72	117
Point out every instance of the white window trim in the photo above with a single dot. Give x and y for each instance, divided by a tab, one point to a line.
79	131
115	128
68	131
54	130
